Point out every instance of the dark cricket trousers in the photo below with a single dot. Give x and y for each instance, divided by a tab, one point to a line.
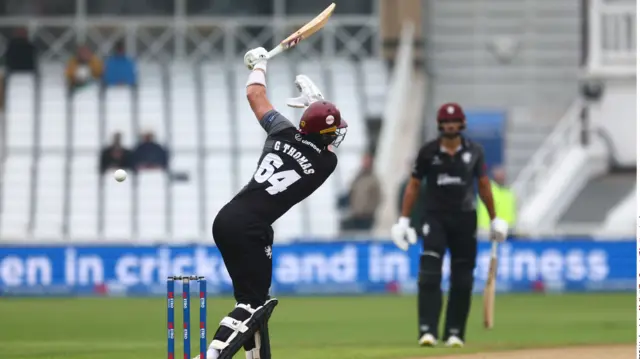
245	247
455	231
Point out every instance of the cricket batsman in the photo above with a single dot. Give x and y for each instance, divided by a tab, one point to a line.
450	164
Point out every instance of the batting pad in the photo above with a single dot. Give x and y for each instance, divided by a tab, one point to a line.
243	331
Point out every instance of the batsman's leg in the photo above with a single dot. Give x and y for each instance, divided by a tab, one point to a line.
463	248
244	327
429	281
248	262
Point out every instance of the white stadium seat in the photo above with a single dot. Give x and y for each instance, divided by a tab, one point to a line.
21	112
185	199
117	209
346	98
216	101
83	216
218	186
247	168
50	190
119	115
53	113
86	119
281	87
151	102
374	86
250	134
16	196
184	112
151	202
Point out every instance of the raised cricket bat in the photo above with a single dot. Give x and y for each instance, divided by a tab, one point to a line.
490	288
304	32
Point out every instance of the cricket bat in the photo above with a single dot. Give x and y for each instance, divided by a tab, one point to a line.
304	32
490	287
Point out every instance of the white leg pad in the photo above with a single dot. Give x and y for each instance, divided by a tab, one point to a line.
235	325
255	352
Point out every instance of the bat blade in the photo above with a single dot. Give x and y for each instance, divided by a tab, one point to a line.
304	32
490	288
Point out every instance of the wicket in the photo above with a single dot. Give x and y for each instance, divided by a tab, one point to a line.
186	315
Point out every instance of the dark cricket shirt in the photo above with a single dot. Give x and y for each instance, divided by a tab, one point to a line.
450	179
289	170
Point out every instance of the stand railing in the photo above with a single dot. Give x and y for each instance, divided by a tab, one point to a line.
193	38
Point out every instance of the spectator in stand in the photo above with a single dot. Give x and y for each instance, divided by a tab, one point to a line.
120	69
115	156
83	68
364	198
149	154
21	55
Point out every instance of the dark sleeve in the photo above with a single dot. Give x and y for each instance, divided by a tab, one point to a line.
273	122
421	166
480	169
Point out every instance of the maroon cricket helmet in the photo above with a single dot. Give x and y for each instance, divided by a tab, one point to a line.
323	119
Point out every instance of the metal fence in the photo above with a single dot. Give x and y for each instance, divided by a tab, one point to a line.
160	30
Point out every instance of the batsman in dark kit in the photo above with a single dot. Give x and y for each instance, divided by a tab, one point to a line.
294	163
450	164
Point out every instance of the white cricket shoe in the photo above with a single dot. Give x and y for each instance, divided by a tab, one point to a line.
427	340
454	342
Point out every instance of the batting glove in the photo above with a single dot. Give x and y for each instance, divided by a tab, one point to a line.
499	230
254	57
402	234
309	93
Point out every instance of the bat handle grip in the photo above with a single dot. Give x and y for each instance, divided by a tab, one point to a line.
276	50
494	249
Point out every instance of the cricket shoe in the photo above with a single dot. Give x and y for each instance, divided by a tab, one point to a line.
454	342
427	340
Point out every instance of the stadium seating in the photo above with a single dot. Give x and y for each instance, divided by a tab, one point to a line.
16	197
21	112
151	205
183	133
151	107
83	199
53	113
119	115
200	113
50	199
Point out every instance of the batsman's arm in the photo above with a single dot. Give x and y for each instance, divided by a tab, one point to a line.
486	195
257	93
412	191
484	185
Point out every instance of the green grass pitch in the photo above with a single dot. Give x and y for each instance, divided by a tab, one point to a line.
365	327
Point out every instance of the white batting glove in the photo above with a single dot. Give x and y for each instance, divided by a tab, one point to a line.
402	234
499	230
255	56
309	93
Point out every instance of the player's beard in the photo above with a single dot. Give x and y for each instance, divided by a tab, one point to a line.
450	136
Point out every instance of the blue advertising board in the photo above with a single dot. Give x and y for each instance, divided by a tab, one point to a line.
488	129
310	268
